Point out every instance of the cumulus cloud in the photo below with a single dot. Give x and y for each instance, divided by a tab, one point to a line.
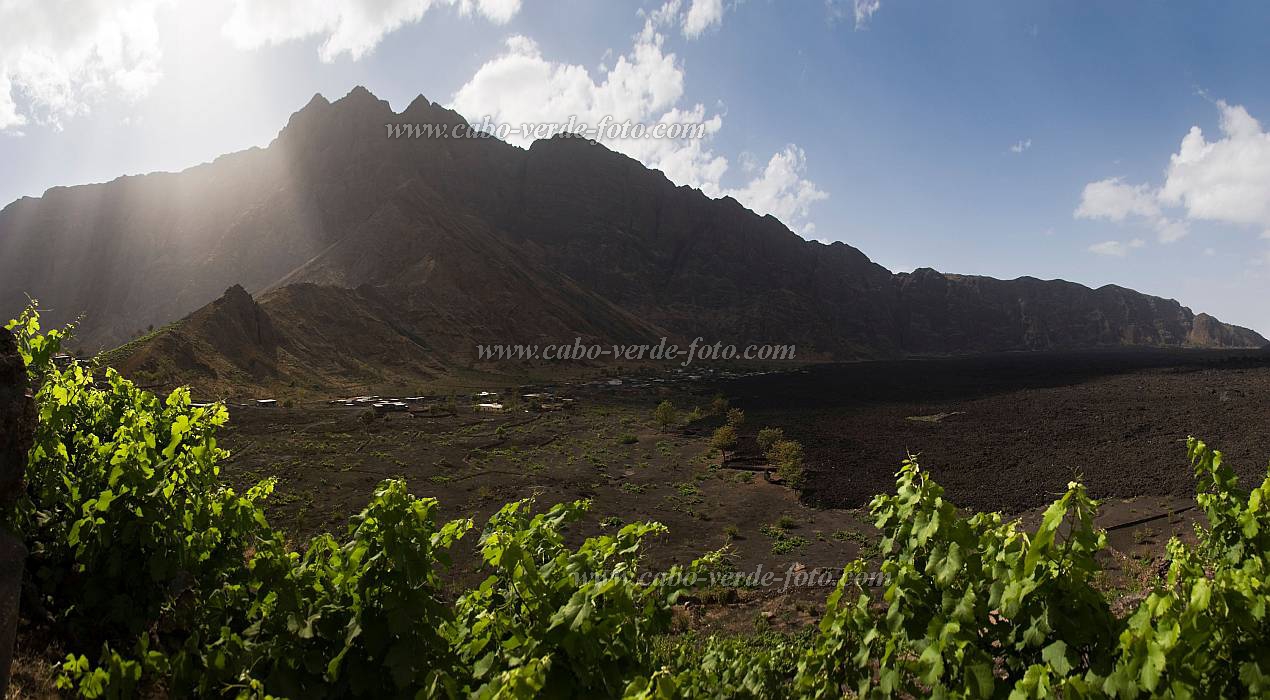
701	16
520	85
353	27
57	56
1226	180
1116	248
1021	146
644	86
1114	200
781	190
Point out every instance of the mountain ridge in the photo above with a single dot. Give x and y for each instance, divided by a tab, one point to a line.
475	240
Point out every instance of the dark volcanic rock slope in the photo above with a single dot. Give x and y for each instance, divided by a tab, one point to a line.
448	242
958	314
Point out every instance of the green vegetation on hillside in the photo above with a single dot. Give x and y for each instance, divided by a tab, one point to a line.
155	575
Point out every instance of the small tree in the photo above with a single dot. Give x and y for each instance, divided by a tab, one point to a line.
511	399
665	414
787	455
769	436
736	418
724	439
718	406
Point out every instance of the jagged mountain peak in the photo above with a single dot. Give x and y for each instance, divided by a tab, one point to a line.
359	96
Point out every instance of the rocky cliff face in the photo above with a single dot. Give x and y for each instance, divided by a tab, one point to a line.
959	314
452	241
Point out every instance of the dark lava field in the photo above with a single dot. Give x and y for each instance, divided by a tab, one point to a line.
1008	432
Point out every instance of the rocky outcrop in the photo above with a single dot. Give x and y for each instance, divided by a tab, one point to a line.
17	427
1208	332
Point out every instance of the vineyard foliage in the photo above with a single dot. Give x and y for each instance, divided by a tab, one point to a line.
157	577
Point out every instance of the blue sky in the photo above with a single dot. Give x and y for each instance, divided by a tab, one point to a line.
1006	139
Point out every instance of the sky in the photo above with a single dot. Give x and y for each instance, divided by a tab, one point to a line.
1103	143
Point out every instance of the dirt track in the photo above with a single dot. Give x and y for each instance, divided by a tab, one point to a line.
1020	426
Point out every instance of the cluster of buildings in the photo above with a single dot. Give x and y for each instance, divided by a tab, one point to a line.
481	401
494	402
383	404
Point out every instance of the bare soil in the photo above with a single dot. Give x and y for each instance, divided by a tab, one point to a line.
329	460
1000	433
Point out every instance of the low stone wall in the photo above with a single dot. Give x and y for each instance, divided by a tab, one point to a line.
17	427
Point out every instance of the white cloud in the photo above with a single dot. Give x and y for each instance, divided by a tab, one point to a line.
701	16
1021	146
644	86
520	85
1266	234
1116	248
1114	200
57	56
352	27
781	190
864	10
1226	180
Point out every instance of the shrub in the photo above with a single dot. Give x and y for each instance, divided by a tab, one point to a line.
665	415
782	541
768	437
718	405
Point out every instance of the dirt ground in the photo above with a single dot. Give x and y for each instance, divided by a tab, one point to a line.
328	460
999	433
